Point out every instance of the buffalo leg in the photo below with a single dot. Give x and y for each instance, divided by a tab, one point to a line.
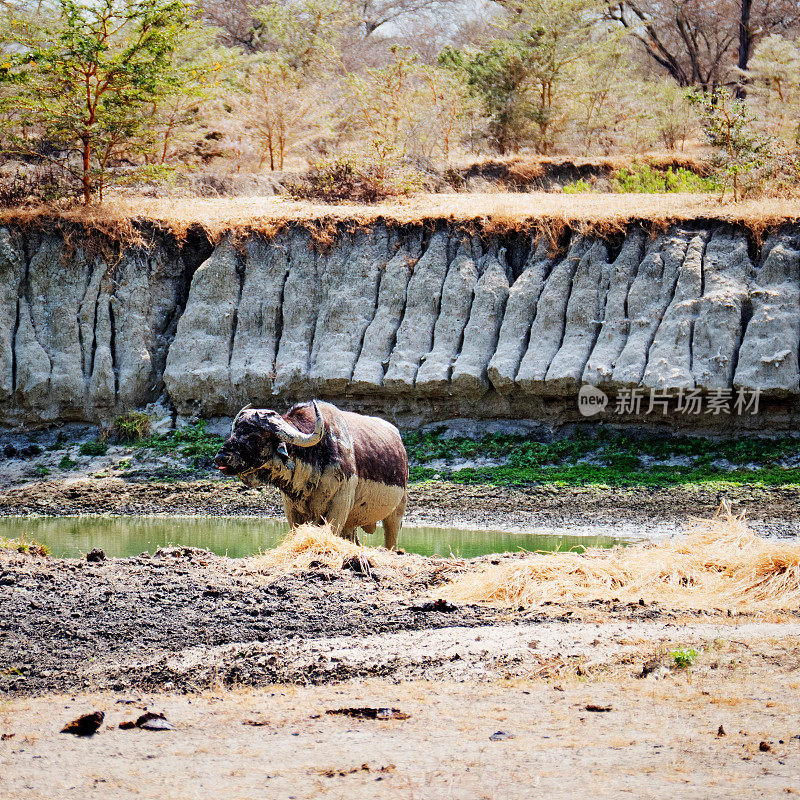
392	524
350	534
339	510
292	518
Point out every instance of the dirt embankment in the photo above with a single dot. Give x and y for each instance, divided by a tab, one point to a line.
423	321
187	619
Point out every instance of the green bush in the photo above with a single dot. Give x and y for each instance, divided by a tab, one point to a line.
644	179
26	546
193	441
684	658
577	187
67	463
609	459
96	448
132	427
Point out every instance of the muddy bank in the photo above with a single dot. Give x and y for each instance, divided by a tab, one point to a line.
185	619
773	510
69	624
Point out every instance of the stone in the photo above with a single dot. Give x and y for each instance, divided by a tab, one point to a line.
462	275
482	331
547	328
768	356
415	334
650	294
614	329
197	374
584	316
301	300
380	335
350	283
258	320
523	297
727	271
669	363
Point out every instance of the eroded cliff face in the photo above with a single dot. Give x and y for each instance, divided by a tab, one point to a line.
417	323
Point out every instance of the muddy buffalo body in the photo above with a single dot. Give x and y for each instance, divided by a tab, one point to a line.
331	465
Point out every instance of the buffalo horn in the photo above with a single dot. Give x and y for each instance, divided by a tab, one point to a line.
288	433
236	418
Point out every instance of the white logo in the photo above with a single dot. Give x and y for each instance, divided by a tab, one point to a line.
591	400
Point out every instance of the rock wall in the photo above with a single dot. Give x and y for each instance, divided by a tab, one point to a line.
417	323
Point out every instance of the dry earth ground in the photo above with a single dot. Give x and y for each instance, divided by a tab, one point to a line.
494	211
659	740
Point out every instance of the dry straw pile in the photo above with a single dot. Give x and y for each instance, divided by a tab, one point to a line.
314	546
718	564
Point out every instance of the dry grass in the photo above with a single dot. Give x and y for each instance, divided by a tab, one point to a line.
694	157
314	546
534	211
23	545
718	564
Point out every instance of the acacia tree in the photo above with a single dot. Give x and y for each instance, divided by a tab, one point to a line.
700	42
522	78
81	74
289	88
406	110
197	74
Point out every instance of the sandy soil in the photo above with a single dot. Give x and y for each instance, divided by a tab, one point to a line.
658	740
219	644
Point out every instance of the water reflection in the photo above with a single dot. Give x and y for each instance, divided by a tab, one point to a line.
127	536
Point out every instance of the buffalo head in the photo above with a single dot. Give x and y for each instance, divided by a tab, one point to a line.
258	443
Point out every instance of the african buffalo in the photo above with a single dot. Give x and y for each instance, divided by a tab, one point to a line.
335	466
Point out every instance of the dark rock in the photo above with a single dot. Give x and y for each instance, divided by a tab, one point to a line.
443	606
358	564
366	712
149	721
86	725
95	555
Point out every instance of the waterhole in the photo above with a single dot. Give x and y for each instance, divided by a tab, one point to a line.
237	537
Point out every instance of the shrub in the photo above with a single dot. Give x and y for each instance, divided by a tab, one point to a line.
577	187
193	441
67	463
741	151
26	546
684	658
347	177
93	448
645	179
132	427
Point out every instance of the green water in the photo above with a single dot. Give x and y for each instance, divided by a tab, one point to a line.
128	536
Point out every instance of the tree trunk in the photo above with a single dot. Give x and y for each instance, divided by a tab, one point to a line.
745	47
86	176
